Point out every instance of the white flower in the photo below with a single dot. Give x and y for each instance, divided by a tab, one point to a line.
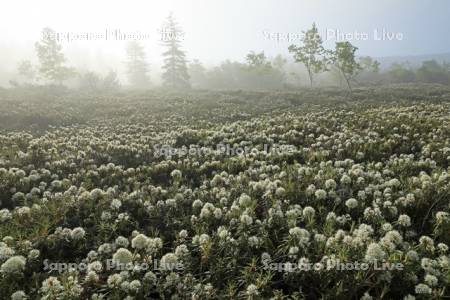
320	194
280	191
33	254
5	215
246	219
203	239
19	295
265	257
222	232
176	174
245	200
442	247
331	216
330	184
345	179
309	212
253	241
394	182
386	227
301	234
91	276
150	277
374	252
171	202
125	286
197	203
106	215
77	233
207	210
441	217
412	255
139	242
252	290
72	287
320	238
431	280
5	252
351	203
293	250
51	286
114	280
218	213
154	244
105	248
95	266
116	204
404	220
393	236
183	234
310	189
169	261
122	242
14	265
427	242
366	296
23	211
181	250
92	255
122	256
96	194
135	286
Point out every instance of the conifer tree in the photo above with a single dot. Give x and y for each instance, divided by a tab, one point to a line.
137	66
175	74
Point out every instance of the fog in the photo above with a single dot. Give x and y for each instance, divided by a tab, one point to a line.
220	30
225	149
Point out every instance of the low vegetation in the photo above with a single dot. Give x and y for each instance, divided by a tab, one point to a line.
323	177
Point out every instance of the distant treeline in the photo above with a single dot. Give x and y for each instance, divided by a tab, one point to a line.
311	64
236	75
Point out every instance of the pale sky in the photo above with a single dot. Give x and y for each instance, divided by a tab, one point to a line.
216	30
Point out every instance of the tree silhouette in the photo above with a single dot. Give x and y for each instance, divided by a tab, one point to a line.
137	67
311	53
175	73
51	58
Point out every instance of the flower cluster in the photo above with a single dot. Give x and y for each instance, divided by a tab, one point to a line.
367	182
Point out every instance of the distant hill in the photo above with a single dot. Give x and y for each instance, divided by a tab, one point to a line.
413	60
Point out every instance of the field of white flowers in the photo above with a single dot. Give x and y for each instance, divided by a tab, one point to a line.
90	209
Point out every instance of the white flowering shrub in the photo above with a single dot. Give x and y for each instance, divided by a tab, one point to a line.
96	208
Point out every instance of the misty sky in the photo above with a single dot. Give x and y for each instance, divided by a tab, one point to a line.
216	30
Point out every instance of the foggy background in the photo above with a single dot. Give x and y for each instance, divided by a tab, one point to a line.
219	30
